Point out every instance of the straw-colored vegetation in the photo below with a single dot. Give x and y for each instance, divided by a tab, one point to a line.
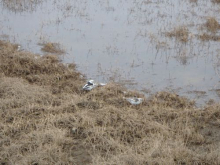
181	33
216	1
52	48
208	37
45	118
212	24
193	1
21	5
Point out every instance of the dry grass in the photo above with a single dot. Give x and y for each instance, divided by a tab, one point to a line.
44	70
209	37
21	5
181	33
52	48
41	126
212	25
193	1
216	1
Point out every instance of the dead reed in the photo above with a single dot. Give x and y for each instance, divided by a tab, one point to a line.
52	48
212	25
209	37
216	1
194	1
181	33
21	5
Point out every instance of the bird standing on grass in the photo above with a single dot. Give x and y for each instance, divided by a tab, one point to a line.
134	100
90	85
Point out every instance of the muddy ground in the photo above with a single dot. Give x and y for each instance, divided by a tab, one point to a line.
46	118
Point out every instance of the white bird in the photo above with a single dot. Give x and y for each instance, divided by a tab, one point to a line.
89	86
102	84
19	48
134	100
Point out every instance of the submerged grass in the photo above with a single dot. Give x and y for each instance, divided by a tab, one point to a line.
181	33
45	118
209	37
216	1
21	5
52	48
212	25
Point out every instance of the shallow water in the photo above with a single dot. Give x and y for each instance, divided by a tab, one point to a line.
123	41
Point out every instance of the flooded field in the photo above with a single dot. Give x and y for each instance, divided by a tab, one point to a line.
148	45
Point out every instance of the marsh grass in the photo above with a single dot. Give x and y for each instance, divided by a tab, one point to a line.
52	48
21	5
181	33
216	1
209	37
194	1
45	118
212	25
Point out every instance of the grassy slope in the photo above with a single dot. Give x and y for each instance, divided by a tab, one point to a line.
45	118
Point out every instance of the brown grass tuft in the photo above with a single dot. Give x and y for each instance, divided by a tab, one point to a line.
212	25
209	37
173	100
216	1
45	70
21	5
181	33
193	1
52	48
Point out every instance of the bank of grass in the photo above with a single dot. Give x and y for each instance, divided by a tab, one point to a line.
45	118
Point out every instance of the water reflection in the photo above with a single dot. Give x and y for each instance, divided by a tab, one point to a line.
183	59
